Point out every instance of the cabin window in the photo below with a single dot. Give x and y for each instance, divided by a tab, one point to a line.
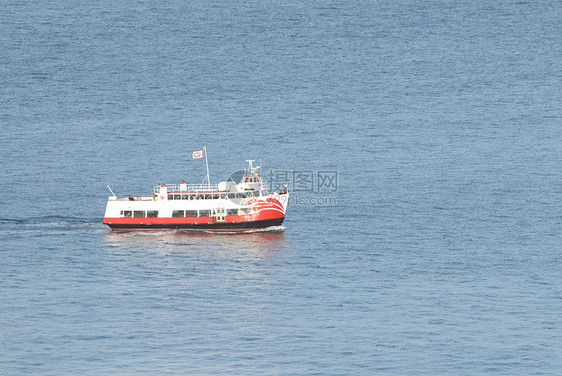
152	213
139	214
231	211
178	213
244	211
216	196
204	213
191	213
185	197
126	213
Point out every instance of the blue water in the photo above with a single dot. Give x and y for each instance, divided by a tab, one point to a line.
438	251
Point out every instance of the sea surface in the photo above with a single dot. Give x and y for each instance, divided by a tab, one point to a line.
422	145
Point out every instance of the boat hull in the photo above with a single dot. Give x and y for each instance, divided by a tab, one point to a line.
216	226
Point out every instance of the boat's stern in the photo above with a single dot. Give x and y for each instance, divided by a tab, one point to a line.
111	210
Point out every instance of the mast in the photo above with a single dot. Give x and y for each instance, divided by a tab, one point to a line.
250	167
207	165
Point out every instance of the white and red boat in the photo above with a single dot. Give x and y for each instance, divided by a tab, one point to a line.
226	206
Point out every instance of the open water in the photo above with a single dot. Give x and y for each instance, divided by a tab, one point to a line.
422	142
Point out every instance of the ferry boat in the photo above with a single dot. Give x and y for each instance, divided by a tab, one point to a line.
227	206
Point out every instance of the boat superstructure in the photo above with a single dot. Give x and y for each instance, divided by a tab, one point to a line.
226	206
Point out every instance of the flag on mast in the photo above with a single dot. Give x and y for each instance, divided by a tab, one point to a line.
197	154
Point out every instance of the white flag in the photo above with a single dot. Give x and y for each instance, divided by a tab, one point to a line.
197	154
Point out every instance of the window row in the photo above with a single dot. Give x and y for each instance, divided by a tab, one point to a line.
139	213
211	196
207	213
179	213
191	213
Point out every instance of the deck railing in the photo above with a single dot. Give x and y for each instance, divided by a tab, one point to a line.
174	188
131	198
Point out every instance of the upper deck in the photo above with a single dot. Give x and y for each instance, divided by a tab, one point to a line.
251	184
192	188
